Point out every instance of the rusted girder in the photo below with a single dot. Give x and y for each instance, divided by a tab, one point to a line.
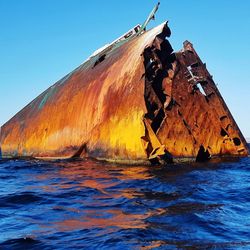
139	101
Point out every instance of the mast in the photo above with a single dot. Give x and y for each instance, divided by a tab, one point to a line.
149	18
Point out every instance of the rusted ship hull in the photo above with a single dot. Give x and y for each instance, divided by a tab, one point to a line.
138	102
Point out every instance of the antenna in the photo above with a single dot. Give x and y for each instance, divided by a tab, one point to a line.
150	17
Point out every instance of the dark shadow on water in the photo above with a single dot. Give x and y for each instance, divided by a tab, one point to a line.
22	243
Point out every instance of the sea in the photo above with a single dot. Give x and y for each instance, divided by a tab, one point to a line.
87	204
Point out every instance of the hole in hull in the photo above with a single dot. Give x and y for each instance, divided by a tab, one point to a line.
99	60
201	89
236	141
203	155
223	132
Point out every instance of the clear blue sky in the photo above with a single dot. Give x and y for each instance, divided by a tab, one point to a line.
42	40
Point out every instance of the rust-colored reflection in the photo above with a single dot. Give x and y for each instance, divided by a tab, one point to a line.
107	218
154	244
110	202
140	173
79	174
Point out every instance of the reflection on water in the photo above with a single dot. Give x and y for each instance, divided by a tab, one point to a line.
90	204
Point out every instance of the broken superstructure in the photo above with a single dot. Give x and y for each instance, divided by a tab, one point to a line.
134	100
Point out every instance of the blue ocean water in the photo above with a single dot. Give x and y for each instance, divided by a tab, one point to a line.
86	204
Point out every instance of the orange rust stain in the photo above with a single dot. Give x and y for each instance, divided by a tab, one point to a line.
87	107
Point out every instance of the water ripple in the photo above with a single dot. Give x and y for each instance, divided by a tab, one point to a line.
87	204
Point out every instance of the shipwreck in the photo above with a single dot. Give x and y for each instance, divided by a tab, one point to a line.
134	100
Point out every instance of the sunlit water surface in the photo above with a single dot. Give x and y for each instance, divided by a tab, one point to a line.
93	205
